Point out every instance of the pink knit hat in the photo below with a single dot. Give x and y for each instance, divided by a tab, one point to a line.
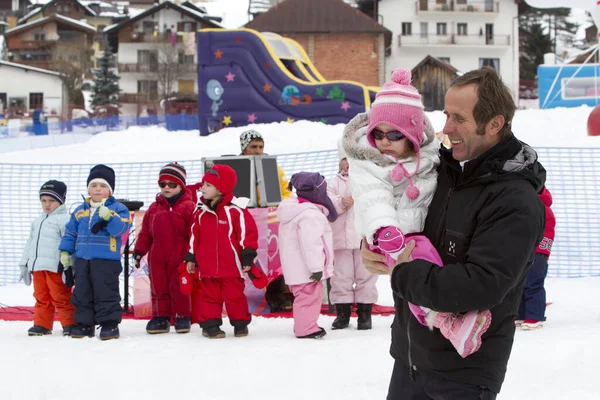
399	105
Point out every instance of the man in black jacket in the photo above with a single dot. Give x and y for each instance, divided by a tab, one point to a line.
485	220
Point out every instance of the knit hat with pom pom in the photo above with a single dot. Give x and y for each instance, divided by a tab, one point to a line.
399	105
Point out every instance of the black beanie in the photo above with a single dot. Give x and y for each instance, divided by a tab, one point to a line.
102	173
55	189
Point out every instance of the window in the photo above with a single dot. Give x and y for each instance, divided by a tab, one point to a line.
406	28
424	29
490	62
36	101
444	59
148	27
148	89
461	29
442	28
185	59
66	8
39	36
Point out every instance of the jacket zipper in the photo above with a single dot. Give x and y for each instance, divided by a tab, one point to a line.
37	243
411	367
439	233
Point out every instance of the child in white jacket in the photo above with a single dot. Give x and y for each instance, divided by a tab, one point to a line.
305	248
41	259
351	282
394	154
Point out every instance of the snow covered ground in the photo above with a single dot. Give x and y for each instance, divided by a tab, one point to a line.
558	362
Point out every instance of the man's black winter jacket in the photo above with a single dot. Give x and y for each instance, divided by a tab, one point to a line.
485	222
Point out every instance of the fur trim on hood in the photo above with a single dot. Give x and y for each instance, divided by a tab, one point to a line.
356	145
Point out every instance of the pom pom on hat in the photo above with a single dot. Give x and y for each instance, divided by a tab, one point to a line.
402	76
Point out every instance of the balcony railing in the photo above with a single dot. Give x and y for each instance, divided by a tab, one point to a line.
43	64
153	67
431	6
454	39
33	44
137	37
152	97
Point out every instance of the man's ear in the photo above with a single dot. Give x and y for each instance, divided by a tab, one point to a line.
495	125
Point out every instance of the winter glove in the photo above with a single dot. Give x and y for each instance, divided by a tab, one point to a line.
137	258
389	239
248	256
25	275
65	259
98	226
104	213
68	278
316	276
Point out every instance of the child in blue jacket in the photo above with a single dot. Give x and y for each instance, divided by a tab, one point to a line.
94	234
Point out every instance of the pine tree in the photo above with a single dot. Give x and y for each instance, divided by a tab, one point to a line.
535	44
106	82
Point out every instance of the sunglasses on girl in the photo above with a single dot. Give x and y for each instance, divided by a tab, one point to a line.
164	184
393	135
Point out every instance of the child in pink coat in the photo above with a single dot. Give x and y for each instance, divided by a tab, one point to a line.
351	282
306	248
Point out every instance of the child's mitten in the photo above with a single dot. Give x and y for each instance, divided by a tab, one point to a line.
25	275
65	259
104	213
67	277
389	239
316	276
137	258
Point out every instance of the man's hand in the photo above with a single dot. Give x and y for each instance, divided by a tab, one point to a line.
373	262
405	256
137	258
347	202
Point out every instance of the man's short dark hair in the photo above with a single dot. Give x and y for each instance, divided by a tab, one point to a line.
493	98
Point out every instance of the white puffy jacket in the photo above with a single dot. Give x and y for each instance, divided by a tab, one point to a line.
378	200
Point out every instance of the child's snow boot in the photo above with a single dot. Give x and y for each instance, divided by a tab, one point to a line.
315	335
80	331
531	325
182	324
364	312
343	316
240	331
37	330
110	330
464	330
213	332
67	330
158	325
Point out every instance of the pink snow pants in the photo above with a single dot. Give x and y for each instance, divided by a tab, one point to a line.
307	307
349	270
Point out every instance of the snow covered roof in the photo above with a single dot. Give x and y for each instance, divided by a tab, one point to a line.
197	15
54	17
38	10
27	67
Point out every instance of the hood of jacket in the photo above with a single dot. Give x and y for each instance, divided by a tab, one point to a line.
357	146
290	208
510	159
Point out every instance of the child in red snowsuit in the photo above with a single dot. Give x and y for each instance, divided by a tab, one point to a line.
532	309
222	248
165	236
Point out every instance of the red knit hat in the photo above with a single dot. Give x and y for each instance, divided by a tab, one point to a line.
173	172
186	284
222	177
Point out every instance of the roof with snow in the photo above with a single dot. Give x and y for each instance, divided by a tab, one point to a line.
82	26
28	68
192	13
35	11
316	16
